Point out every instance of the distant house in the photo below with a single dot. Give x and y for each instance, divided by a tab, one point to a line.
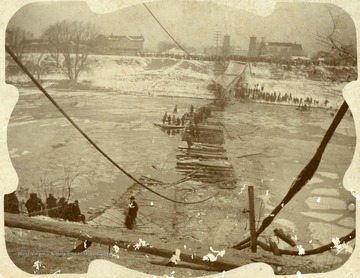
125	45
281	49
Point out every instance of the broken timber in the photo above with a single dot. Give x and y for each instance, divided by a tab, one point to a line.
102	236
287	238
206	156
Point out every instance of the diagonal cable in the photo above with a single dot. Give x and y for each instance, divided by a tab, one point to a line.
166	30
21	65
305	175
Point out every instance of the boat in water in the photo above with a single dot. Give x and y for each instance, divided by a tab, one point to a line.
166	126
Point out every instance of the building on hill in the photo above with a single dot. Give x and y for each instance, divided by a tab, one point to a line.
125	45
266	49
280	50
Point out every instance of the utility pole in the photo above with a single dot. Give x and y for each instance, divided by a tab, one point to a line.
253	237
216	38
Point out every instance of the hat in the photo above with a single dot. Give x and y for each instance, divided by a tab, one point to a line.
132	198
76	201
33	195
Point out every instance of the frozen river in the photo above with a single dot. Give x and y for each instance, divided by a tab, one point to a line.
47	152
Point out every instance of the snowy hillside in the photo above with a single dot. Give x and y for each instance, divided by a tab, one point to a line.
137	75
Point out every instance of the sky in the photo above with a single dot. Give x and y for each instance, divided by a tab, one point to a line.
195	23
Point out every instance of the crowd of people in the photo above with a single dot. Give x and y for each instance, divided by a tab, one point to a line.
60	208
54	208
196	117
258	93
173	120
193	117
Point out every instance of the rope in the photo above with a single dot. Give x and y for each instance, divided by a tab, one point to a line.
166	30
21	65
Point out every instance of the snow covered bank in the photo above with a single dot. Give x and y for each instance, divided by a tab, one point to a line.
137	75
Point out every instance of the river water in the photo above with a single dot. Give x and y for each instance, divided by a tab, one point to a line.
47	152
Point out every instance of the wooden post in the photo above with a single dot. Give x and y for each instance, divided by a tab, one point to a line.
252	219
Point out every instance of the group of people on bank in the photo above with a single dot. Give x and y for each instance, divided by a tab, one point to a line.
60	208
55	208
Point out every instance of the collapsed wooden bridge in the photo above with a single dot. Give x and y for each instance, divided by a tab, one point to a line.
206	160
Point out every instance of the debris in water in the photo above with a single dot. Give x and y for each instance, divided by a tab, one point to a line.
211	257
114	251
339	247
301	250
140	244
37	265
175	258
351	206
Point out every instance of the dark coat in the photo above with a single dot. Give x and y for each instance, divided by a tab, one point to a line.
133	208
34	206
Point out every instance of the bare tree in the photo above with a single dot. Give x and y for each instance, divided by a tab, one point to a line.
332	37
18	39
73	40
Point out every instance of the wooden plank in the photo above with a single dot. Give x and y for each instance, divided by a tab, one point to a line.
198	151
287	238
203	156
103	236
208	163
204	168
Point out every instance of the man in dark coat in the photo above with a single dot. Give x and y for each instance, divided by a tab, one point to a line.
132	213
133	207
165	118
11	203
34	205
77	213
50	205
62	206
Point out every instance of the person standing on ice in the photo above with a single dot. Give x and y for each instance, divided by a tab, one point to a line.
165	117
132	213
176	109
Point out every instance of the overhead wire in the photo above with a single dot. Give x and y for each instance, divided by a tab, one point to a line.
178	44
52	100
